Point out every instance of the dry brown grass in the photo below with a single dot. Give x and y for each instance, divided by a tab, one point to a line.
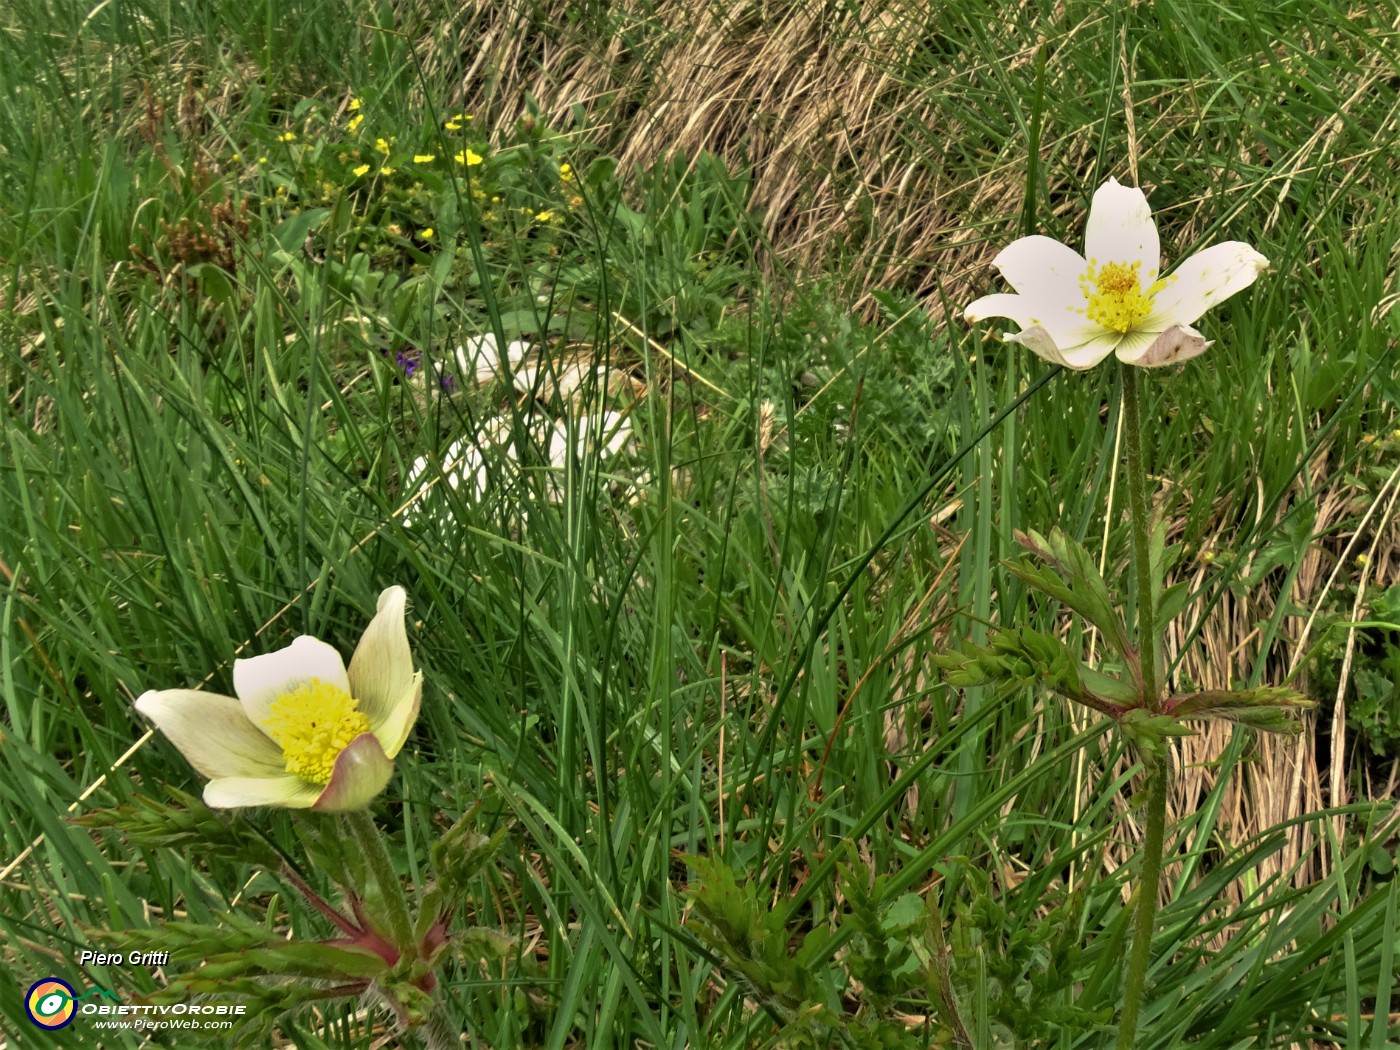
837	140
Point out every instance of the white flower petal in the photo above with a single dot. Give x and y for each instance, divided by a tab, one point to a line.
1121	230
615	430
1017	308
1043	268
1207	278
212	732
464	462
480	357
260	680
564	379
381	671
1177	344
1061	323
558	445
1085	355
360	773
394	730
286	791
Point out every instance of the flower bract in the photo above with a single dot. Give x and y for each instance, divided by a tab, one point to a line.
305	731
1075	310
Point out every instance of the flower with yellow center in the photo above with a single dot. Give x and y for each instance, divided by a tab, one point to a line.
354	105
305	732
287	136
468	157
424	158
355	122
1075	311
360	171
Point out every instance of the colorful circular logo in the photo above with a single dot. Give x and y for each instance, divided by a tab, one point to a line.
49	1003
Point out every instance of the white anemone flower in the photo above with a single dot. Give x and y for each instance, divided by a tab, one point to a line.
464	463
1075	311
305	732
599	436
481	358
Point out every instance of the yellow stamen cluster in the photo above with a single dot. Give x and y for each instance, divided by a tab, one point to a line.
312	725
1115	295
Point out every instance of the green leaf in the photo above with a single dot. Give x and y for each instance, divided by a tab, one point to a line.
1170	603
1026	657
189	823
291	234
300	958
1148	733
1266	708
1072	577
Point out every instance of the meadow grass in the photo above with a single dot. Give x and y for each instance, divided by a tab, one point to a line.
716	643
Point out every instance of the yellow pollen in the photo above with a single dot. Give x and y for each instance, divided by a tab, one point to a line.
1115	295
312	725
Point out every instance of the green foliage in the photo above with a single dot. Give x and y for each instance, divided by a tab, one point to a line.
1373	703
723	644
1071	576
185	824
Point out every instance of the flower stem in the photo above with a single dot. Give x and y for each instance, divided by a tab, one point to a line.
1150	876
1145	905
391	893
1137	504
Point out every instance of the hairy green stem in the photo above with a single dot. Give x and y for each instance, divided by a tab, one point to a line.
1145	905
1141	526
1150	877
381	869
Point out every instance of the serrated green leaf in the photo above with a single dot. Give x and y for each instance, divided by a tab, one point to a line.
301	958
1071	577
1170	603
1265	708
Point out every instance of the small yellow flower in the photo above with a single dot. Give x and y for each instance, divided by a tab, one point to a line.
354	104
386	170
355	122
262	160
287	136
468	157
452	125
424	158
566	172
304	731
361	171
381	146
238	156
394	228
544	216
426	234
